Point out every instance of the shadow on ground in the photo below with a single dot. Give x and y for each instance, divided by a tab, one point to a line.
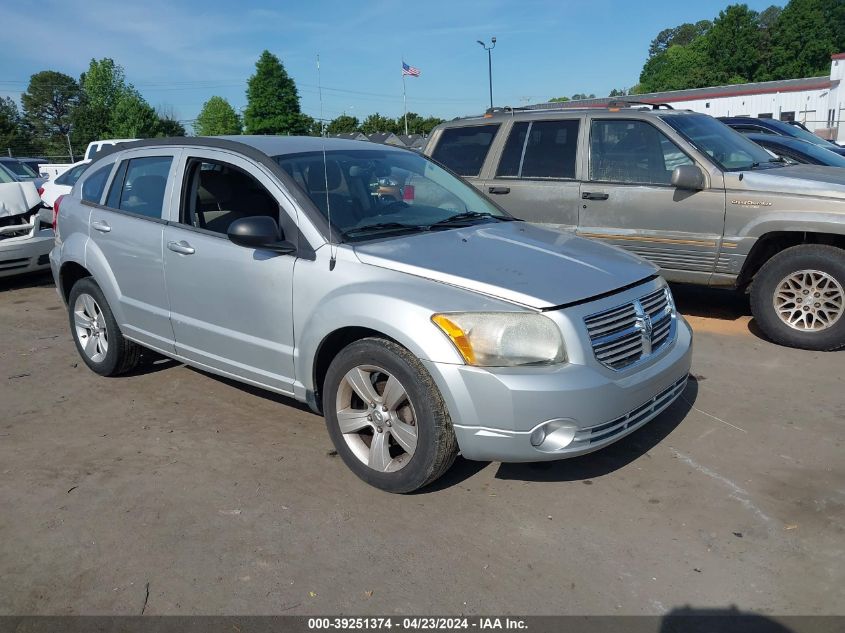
30	280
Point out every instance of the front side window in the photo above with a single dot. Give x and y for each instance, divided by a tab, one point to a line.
464	149
633	152
218	193
369	193
95	184
138	187
729	149
540	149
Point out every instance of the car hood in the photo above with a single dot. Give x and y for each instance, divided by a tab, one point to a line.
515	261
808	180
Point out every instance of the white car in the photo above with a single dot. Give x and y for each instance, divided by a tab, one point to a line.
26	237
62	184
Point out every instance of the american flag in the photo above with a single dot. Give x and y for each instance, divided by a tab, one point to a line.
410	70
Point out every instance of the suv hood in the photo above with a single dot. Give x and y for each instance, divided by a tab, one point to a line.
808	180
515	261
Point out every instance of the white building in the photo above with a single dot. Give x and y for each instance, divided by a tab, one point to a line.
817	102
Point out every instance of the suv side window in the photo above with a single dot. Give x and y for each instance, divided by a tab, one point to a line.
540	149
92	188
633	152
464	149
139	184
217	194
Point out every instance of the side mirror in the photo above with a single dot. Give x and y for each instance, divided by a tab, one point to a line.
259	231
688	177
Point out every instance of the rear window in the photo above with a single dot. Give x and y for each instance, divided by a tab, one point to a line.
540	149
464	149
139	185
92	188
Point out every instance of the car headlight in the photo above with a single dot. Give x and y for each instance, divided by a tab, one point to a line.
503	339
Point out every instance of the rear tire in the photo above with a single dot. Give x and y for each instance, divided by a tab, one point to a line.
386	416
798	297
98	339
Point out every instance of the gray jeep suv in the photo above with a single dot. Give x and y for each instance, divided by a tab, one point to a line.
365	280
680	189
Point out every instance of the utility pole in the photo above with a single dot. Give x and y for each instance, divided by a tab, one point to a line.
69	148
489	65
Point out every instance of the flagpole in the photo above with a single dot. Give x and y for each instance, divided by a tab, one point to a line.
404	100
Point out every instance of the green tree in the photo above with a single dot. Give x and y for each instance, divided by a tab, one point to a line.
558	99
677	68
378	123
168	124
217	118
103	86
618	92
48	106
678	36
133	117
804	36
13	134
582	95
734	45
344	124
272	100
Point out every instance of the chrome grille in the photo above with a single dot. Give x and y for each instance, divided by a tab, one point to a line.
632	332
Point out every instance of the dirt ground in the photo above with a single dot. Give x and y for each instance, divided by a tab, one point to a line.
171	491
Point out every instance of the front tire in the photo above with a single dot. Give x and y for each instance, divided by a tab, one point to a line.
98	339
798	297
386	416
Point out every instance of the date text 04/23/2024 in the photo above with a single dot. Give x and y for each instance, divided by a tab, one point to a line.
416	623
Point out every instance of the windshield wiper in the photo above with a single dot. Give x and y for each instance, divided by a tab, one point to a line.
382	226
462	218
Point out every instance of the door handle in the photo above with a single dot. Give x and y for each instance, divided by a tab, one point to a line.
498	190
591	195
101	225
181	247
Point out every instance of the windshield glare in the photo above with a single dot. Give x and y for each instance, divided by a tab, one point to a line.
804	135
728	149
398	189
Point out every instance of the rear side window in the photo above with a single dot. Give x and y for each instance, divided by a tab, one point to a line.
138	187
464	149
92	188
541	149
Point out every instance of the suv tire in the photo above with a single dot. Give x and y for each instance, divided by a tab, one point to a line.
798	297
98	339
386	416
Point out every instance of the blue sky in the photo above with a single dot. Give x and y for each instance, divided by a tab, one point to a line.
181	53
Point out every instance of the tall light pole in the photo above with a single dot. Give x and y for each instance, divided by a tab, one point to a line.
489	65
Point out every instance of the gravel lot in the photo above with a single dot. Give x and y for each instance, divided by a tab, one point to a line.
175	492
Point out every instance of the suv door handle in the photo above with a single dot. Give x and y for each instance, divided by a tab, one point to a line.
181	247
590	195
498	190
100	225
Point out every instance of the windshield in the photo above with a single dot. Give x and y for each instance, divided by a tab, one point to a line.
372	193
804	135
804	152
728	149
70	177
5	175
19	169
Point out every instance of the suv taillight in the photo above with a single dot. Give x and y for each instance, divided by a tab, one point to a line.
40	191
56	212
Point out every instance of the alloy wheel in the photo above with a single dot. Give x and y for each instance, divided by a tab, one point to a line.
376	418
809	300
90	327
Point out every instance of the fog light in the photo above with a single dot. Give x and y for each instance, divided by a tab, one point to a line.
538	435
554	435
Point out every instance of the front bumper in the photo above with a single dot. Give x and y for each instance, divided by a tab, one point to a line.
495	411
26	254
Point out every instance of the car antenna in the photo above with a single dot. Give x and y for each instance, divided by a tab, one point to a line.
332	248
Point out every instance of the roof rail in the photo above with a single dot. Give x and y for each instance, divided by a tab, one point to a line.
626	103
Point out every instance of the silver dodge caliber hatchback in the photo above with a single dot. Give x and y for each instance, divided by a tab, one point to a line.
388	294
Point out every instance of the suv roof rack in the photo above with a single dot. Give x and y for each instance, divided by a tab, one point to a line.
627	103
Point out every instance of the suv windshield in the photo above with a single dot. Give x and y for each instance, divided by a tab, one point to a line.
726	147
372	193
